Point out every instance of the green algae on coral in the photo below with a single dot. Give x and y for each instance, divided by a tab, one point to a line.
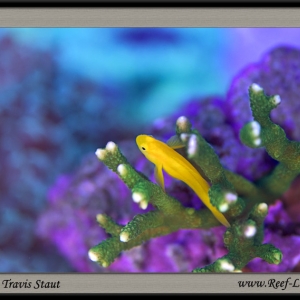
244	203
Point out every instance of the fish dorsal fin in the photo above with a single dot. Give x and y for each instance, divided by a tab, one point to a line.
175	142
159	177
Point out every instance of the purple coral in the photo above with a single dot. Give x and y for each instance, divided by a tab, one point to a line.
98	190
95	189
180	251
278	73
71	224
281	232
44	131
209	117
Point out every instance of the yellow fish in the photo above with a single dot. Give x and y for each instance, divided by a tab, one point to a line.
163	156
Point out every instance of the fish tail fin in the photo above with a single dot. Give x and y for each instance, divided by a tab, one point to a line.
203	195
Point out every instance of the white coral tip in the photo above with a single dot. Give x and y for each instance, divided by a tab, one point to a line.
230	197
257	142
121	169
276	99
192	146
184	136
263	207
143	204
111	146
101	218
227	266
104	264
100	153
181	121
250	231
255	126
223	207
256	88
124	237
92	255
137	197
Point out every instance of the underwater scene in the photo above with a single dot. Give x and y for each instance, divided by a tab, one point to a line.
138	150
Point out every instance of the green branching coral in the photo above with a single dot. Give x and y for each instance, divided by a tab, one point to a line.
243	203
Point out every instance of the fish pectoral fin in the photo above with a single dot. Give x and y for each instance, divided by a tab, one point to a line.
159	177
175	142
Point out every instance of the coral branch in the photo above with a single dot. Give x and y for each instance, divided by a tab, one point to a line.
243	203
222	193
273	138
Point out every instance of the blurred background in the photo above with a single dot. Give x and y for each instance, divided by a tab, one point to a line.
64	92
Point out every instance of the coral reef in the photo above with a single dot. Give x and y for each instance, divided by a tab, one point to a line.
278	73
58	101
243	203
219	121
53	114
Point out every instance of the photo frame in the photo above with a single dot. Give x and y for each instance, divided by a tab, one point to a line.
149	17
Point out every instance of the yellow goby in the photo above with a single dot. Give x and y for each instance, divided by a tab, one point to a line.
164	157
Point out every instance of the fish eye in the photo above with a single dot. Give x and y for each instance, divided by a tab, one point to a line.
143	148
